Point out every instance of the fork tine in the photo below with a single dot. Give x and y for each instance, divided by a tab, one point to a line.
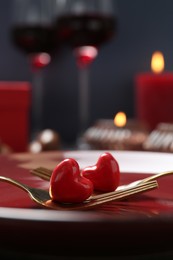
44	170
45	174
123	196
42	173
120	193
94	203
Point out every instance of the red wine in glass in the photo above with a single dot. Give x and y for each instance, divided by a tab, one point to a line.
85	29
35	40
77	30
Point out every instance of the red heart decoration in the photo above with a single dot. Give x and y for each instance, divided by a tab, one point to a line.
105	174
67	185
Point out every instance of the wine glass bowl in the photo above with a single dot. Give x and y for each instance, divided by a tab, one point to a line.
32	30
86	23
80	29
33	38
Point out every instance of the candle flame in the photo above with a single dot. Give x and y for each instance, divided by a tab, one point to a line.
120	119
157	62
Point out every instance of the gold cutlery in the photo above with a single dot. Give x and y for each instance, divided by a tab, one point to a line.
42	197
45	174
42	172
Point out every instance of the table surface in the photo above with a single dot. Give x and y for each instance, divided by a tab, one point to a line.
141	225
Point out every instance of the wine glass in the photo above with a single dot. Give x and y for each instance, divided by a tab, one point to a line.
33	33
85	25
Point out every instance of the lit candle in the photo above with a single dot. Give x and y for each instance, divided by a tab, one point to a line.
154	94
122	131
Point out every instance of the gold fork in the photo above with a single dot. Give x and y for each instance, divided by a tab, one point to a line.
42	197
45	174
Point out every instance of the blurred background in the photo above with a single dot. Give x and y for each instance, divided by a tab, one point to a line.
144	26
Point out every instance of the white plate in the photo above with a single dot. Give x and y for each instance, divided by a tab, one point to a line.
129	162
139	162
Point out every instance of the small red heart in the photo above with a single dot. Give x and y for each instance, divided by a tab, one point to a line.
67	185
105	174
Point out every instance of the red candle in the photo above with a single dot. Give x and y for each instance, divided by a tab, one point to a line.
154	94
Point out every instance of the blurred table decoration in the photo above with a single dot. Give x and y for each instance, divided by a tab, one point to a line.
153	94
117	134
46	140
160	139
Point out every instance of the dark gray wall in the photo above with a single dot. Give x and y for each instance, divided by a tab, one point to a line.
144	26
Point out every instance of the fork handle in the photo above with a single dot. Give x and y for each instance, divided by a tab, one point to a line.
156	176
14	182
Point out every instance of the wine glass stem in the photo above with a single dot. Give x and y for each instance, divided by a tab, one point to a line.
83	99
37	102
